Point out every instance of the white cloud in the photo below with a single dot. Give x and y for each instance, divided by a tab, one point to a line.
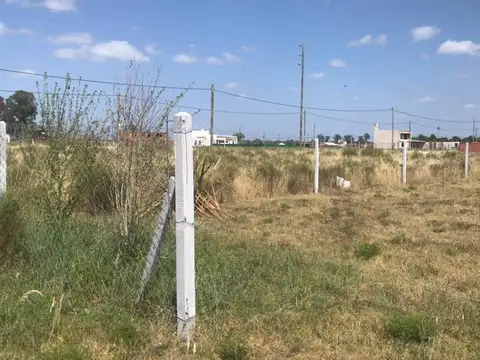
465	47
318	75
212	60
369	40
248	48
337	63
231	58
426	99
356	98
113	50
152	49
470	106
52	5
72	39
232	85
185	59
423	33
5	30
192	46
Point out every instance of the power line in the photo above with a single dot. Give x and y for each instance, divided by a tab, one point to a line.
297	106
432	119
103	82
175	106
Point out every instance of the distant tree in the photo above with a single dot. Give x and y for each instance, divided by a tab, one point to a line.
421	137
240	136
2	107
349	139
367	137
327	138
257	142
361	139
432	137
456	138
321	138
337	138
21	107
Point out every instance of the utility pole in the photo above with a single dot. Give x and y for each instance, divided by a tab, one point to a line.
264	138
393	128
474	130
314	133
212	112
302	64
304	126
438	132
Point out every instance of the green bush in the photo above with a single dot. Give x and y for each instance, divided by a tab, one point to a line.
411	327
234	349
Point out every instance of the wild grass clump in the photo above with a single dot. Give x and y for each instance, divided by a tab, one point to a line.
408	327
349	152
11	228
366	251
416	155
234	348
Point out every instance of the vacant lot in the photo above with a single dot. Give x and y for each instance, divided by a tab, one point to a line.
382	271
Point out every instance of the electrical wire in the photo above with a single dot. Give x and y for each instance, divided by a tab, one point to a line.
431	119
103	82
297	106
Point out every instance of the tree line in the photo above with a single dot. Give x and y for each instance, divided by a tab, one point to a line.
19	111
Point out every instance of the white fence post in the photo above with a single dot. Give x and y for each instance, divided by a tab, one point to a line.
316	167
466	159
3	159
185	231
404	164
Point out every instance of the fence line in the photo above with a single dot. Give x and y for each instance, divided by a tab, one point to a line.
3	159
185	231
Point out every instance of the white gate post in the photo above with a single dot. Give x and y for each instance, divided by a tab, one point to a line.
3	159
316	167
185	232
466	159
404	164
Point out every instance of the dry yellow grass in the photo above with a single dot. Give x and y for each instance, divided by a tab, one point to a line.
285	275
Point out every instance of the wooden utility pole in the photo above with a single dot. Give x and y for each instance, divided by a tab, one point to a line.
212	113
393	128
302	64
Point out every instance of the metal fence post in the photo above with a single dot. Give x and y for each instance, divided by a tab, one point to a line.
466	159
185	231
3	159
316	167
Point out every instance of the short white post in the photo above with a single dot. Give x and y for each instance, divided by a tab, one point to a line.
3	159
466	159
404	164
316	167
185	231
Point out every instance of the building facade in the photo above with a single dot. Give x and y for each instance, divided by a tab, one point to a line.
202	138
382	139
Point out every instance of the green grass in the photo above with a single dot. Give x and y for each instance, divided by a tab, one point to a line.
411	327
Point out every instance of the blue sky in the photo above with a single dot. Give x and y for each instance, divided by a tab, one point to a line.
419	56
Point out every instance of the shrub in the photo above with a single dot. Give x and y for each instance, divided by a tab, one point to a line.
11	228
411	327
349	152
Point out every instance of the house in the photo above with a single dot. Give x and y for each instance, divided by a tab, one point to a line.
202	138
473	147
382	139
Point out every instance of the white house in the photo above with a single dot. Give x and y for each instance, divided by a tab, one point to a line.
382	139
202	138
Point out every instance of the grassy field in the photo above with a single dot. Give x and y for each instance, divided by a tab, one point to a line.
380	271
